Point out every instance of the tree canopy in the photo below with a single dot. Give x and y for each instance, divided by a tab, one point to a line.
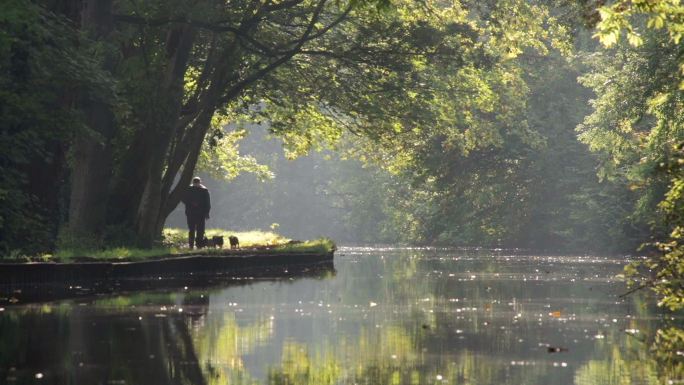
495	123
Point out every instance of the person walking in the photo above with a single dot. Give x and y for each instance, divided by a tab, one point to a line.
197	205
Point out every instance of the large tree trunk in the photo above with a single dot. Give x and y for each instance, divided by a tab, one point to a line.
92	153
171	198
142	200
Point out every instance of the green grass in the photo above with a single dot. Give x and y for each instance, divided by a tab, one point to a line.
179	237
175	244
122	253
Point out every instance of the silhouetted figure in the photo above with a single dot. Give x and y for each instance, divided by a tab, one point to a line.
197	206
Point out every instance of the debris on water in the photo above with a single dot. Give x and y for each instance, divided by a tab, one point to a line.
555	314
39	376
373	304
426	326
556	349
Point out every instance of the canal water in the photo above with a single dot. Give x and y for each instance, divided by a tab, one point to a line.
380	316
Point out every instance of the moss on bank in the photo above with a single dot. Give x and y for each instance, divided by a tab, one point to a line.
174	244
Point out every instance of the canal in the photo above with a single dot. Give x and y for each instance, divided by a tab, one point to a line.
380	316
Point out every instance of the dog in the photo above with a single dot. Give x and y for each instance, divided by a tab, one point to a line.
216	241
234	242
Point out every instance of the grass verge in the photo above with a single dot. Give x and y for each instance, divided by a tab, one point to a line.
175	244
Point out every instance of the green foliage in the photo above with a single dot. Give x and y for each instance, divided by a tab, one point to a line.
530	185
668	344
637	126
220	157
41	69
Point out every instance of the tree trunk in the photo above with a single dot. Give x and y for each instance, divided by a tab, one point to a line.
171	199
145	206
92	153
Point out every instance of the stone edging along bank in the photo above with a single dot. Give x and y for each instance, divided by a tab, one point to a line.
18	273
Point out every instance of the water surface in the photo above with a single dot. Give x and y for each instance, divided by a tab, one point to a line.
382	316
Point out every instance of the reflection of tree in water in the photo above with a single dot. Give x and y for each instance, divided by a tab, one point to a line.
662	362
411	336
668	349
389	355
72	346
221	344
619	369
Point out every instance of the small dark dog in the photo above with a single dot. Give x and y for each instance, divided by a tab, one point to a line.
215	241
234	242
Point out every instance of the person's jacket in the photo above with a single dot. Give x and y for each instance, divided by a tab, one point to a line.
197	201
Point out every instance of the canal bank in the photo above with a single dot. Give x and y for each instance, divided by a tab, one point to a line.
230	263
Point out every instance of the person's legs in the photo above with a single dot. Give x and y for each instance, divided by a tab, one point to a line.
200	228
192	227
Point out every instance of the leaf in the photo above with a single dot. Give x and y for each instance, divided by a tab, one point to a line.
634	39
608	39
